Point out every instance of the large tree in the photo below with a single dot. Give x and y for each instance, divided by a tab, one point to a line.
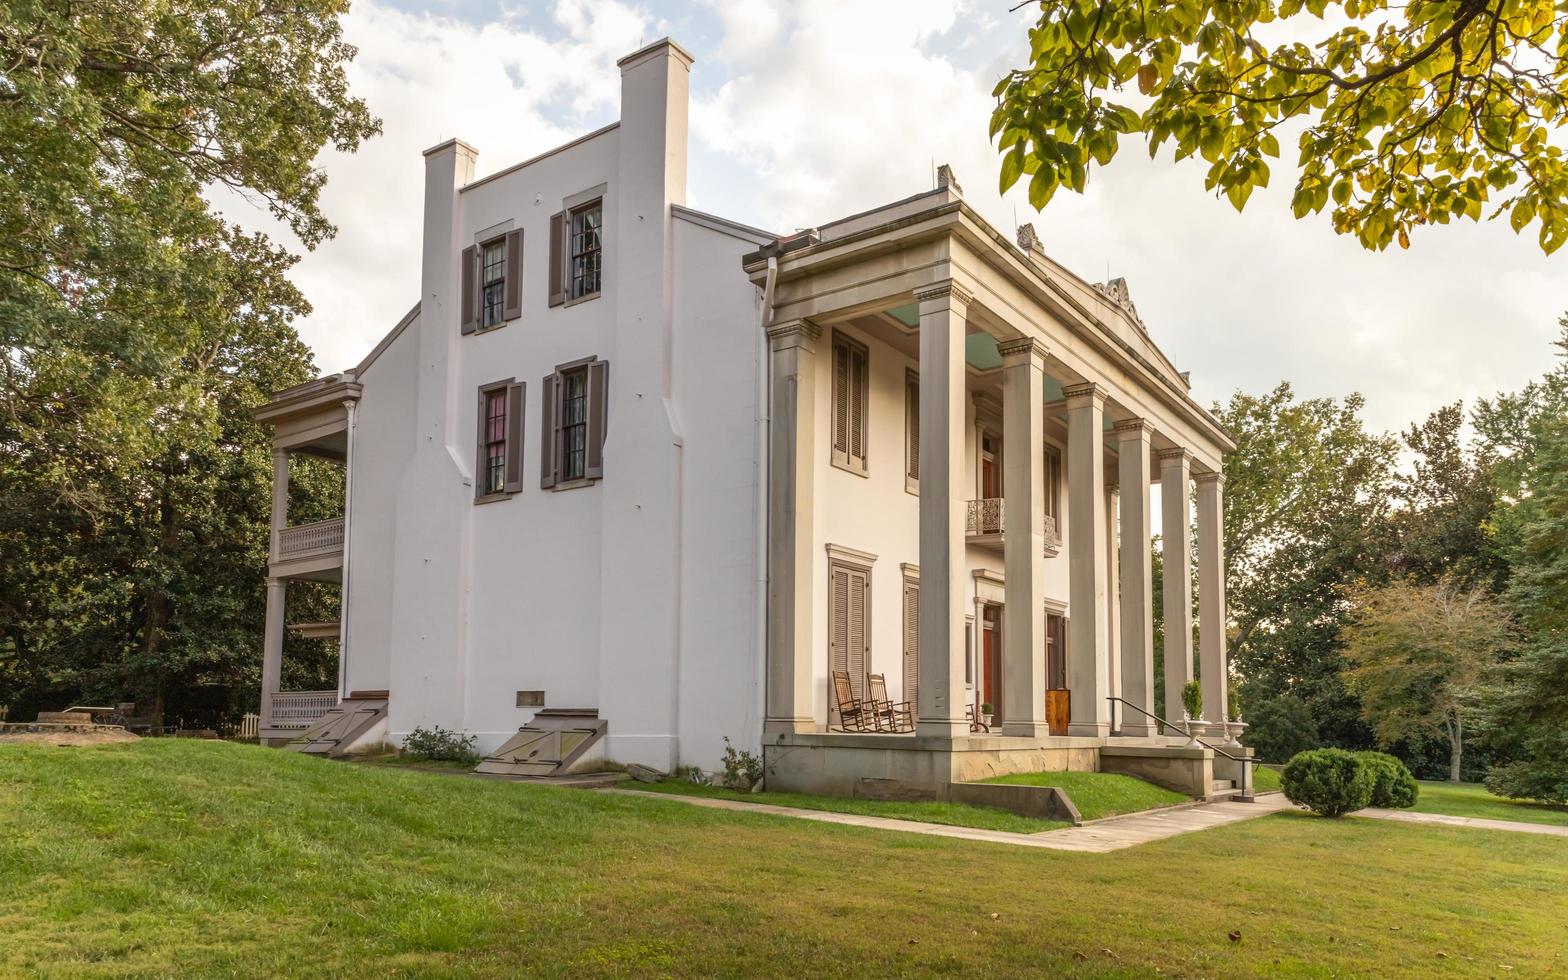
138	325
1418	656
1403	115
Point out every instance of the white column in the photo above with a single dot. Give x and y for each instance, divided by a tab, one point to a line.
1211	595
792	465
1176	551
349	407
280	496
1087	674
272	646
940	711
1023	486
1113	597
1137	577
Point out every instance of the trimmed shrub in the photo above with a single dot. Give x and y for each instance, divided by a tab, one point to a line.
1329	782
441	745
1392	784
1192	699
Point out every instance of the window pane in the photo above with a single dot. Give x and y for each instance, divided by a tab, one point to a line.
574	424
493	281
494	476
587	248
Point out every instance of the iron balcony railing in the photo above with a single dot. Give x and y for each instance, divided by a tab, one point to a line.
988	515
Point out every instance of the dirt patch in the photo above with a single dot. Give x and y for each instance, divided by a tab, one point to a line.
66	738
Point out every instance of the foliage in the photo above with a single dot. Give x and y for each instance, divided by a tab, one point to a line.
1528	706
1392	784
1279	728
742	768
1418	654
440	745
1192	699
694	775
1407	116
1445	500
1329	782
1308	493
138	326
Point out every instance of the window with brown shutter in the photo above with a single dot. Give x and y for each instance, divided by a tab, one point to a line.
575	416
911	432
849	625
557	258
851	363
911	640
586	251
493	282
1053	481
498	467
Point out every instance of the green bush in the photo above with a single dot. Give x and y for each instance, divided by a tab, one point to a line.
440	745
1329	782
1279	728
1392	784
1192	699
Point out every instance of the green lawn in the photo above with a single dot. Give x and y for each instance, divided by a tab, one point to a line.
1099	794
1264	780
953	814
1472	800
200	859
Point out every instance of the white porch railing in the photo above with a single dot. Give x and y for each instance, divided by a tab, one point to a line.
311	540
300	709
988	515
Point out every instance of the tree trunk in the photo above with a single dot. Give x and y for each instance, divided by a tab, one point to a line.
1455	749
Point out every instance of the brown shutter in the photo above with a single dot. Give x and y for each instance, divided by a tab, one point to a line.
557	258
479	449
470	289
911	640
838	626
514	276
858	645
548	431
840	403
857	408
598	410
514	437
912	424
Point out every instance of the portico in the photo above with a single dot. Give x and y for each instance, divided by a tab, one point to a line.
998	370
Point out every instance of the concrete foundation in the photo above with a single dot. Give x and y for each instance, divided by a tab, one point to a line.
1188	771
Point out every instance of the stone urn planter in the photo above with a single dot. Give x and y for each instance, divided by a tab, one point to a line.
1233	731
987	715
1193	725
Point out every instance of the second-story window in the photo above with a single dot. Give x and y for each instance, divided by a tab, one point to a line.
493	278
587	250
495	441
574	423
851	369
498	471
576	412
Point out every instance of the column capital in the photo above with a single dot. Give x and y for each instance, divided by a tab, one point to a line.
1128	430
1175	455
1023	350
948	290
793	333
1088	391
1212	478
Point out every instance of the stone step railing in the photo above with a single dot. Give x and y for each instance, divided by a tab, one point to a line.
311	540
988	514
300	709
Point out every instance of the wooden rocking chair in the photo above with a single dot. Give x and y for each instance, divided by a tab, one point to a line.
897	717
854	715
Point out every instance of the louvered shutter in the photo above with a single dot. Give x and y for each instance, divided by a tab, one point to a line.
558	258
857	646
549	430
912	427
838	627
514	275
479	446
598	410
857	408
911	640
470	280
514	437
841	403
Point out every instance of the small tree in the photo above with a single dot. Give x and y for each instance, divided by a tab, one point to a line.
1192	699
1279	728
1418	657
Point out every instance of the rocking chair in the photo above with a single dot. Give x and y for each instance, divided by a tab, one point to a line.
854	715
897	717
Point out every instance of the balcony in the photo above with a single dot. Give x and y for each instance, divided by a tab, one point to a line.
312	550
295	711
984	520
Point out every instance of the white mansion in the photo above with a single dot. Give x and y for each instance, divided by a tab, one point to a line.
631	462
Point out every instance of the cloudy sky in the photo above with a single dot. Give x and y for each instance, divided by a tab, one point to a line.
805	110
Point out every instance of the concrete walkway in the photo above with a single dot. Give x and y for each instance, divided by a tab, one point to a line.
1105	835
1479	823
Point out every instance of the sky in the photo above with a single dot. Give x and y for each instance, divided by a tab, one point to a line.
807	110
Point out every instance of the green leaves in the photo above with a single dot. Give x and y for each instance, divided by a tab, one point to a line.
1439	110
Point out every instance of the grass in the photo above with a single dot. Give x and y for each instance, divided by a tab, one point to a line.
952	814
1099	794
1472	800
1265	780
185	858
409	761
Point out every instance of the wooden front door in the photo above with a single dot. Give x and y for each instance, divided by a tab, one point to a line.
991	660
990	465
1057	705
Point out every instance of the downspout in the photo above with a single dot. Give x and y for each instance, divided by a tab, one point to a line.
764	423
349	405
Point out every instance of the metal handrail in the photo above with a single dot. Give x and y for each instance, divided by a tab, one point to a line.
1246	762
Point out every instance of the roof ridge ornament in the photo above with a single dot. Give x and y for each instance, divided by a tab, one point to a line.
1028	240
945	180
1116	291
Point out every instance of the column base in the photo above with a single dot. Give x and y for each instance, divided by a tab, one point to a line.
790	726
941	727
1089	729
1026	729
